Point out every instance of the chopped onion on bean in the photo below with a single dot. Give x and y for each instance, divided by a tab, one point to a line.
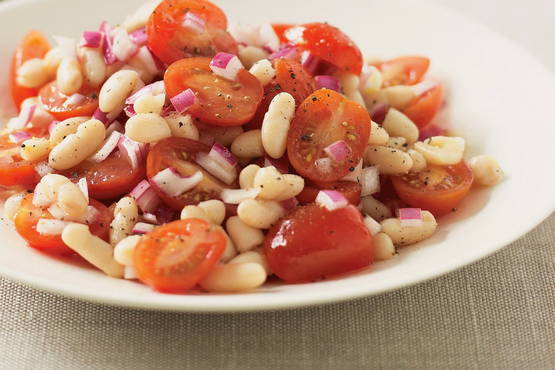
226	65
141	228
236	196
331	199
223	156
410	217
109	146
172	183
214	168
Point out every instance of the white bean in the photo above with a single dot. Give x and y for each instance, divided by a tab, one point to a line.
126	215
12	205
194	212
244	236
389	161
486	170
116	89
295	185
261	214
52	60
275	126
373	81
230	250
254	256
350	85
235	277
124	250
32	73
147	128
93	249
407	235
77	147
398	124
249	55
418	161
399	96
72	201
247	175
441	150
94	67
150	104
383	247
140	16
397	142
374	208
35	149
182	126
378	135
263	71
271	183
49	186
248	145
65	128
222	135
69	78
214	210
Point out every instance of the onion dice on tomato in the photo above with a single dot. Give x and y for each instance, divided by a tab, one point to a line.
350	190
62	107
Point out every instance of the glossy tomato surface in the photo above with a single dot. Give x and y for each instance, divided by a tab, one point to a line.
175	257
312	243
61	106
424	108
406	70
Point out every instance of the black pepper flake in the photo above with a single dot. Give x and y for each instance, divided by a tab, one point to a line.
314	98
230	106
293	76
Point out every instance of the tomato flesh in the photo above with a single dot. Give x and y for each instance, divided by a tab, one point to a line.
180	154
57	104
312	243
279	29
175	257
407	70
438	189
424	108
219	101
350	190
108	179
171	41
326	117
33	45
29	215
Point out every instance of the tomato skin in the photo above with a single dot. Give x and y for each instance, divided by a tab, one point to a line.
322	119
312	243
219	101
328	43
33	45
19	173
280	28
170	41
180	154
174	257
108	179
28	216
424	108
438	199
350	190
406	70
55	102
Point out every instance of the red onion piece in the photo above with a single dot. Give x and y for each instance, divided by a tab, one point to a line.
184	100
145	57
151	218
379	112
430	131
75	99
132	150
92	39
129	111
139	36
110	144
281	164
223	156
372	225
331	199
268	38
338	151
236	196
370	181
84	187
224	174
107	45
154	88
194	23
410	217
141	228
165	214
122	47
310	62
289	204
145	196
226	65
327	82
172	183
19	136
100	115
287	51
25	116
115	126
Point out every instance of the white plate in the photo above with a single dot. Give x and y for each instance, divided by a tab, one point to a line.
499	97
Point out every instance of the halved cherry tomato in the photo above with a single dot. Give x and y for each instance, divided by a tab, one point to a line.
171	41
7	143
328	43
180	154
55	102
219	101
350	190
280	28
18	173
312	243
33	45
28	216
424	108
438	189
407	70
108	179
322	119
175	257
291	78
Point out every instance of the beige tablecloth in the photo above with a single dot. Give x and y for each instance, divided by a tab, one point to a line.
498	313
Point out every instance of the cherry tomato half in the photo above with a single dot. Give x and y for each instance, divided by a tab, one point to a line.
29	215
180	154
328	43
33	45
280	28
175	257
108	179
350	190
424	108
57	104
438	189
408	70
219	101
170	40
312	243
322	119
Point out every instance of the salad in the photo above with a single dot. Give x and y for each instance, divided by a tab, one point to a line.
187	154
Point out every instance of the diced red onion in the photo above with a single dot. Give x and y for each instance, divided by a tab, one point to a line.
226	175
289	204
19	136
430	131
423	87
324	164
288	51
129	111
141	228
145	196
132	150
226	65
115	126
110	144
370	181
129	273
331	199
172	183
26	115
43	169
379	112
338	151
84	187
355	174
236	196
52	125
244	34
268	38
223	156
92	39
91	215
75	99
310	62
139	36
145	57
372	225
100	115
167	110
123	48
184	100
46	226
281	164
327	82
150	217
194	23
410	217
165	214
109	56
154	89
